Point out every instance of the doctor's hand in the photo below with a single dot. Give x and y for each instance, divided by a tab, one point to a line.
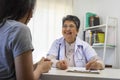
62	64
95	65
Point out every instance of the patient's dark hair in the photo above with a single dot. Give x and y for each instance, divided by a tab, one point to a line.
73	18
15	9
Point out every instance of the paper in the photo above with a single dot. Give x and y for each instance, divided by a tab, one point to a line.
82	70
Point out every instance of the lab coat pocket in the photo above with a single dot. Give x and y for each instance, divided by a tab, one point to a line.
80	62
79	58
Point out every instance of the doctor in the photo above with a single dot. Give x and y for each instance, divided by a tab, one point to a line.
70	50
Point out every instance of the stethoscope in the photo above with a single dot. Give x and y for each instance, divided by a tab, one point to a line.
58	57
81	53
77	51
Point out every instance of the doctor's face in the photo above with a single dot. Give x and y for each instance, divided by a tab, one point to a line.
69	31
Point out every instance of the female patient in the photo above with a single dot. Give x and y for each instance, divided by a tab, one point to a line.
70	50
15	42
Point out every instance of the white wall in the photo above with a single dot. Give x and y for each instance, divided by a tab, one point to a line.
103	8
46	24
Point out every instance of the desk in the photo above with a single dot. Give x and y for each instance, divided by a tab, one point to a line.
56	74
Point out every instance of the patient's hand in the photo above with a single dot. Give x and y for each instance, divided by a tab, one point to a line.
62	64
44	65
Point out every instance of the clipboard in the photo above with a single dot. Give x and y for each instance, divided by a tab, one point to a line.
83	70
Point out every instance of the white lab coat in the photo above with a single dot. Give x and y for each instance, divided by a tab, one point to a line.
82	54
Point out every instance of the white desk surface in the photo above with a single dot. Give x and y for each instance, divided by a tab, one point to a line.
56	74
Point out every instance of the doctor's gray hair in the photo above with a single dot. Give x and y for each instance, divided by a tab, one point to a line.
73	18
